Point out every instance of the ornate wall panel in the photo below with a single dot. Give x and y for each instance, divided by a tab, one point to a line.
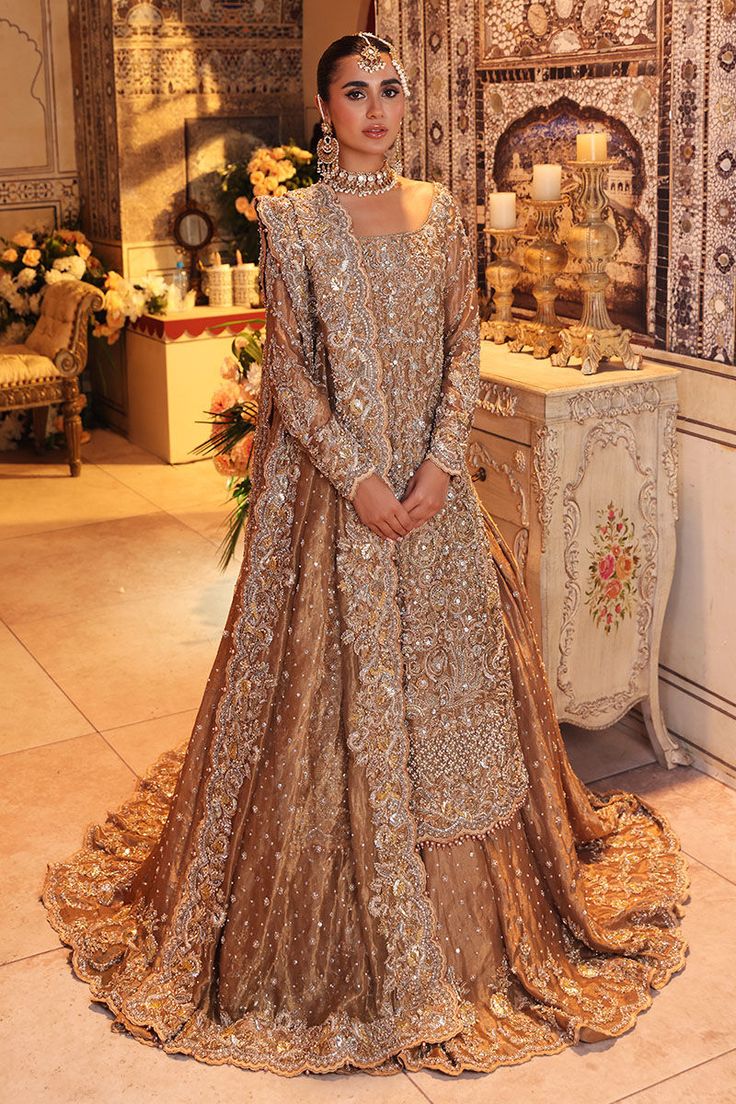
702	253
38	178
438	48
663	69
145	69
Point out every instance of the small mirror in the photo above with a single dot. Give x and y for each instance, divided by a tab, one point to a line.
193	230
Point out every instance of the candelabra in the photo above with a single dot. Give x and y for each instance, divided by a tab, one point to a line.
544	258
502	275
594	241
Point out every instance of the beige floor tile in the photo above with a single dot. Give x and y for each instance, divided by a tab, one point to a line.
712	1082
687	1023
195	493
34	710
145	658
140	744
77	1059
49	795
104	564
40	496
698	806
598	753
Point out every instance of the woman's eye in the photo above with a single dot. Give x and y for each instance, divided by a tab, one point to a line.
354	93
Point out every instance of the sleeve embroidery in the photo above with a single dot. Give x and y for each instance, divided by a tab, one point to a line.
461	371
302	402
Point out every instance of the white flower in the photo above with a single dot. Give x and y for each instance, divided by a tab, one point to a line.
25	277
11	295
74	264
253	376
53	276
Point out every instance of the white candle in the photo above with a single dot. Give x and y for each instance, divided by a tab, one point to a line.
502	210
546	182
592	146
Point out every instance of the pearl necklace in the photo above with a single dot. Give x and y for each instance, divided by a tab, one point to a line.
362	183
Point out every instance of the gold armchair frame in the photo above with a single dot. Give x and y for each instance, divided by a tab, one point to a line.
45	369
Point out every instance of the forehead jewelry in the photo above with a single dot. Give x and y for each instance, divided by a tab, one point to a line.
371	60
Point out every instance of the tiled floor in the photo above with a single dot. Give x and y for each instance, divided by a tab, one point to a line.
111	604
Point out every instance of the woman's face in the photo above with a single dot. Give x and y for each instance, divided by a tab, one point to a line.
365	109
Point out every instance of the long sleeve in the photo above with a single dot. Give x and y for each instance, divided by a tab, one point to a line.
302	401
461	372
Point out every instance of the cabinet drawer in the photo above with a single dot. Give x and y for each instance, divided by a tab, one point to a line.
509	426
500	471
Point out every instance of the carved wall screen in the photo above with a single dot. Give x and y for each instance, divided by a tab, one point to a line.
496	77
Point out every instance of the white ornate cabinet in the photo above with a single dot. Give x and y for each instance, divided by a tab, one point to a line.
580	475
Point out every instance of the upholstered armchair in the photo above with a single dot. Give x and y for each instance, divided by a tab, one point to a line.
45	369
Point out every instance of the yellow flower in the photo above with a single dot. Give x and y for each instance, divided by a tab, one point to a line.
23	239
281	190
10	255
244	207
278	152
259	189
114	303
113	280
83	250
31	257
257	177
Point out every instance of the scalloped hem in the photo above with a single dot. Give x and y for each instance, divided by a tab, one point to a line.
460	1051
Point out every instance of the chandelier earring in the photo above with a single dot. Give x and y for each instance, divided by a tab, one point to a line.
328	149
397	152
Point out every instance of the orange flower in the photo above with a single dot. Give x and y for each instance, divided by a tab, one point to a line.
624	566
613	589
31	257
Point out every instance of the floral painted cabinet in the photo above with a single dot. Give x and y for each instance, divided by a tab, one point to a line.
580	474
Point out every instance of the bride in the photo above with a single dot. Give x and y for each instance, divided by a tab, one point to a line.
372	852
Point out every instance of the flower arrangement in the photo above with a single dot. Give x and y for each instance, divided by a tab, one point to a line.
613	568
271	170
31	259
233	414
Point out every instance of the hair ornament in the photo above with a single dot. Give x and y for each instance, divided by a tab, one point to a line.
371	61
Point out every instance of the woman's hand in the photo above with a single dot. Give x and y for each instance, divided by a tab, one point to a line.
378	507
426	492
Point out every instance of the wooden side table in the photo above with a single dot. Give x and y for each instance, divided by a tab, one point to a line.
580	474
173	368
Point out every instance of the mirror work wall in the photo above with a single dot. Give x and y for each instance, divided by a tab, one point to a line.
502	84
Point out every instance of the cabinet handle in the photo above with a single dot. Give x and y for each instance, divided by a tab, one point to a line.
479	473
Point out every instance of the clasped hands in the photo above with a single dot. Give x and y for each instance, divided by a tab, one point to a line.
378	507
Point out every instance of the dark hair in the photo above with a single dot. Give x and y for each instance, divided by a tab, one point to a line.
341	48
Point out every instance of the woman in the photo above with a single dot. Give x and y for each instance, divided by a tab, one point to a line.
373	852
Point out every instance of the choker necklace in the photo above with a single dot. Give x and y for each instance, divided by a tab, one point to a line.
362	183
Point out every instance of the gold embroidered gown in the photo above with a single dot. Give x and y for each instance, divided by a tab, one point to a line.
372	852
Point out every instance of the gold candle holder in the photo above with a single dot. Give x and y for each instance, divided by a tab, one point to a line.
544	259
502	275
594	242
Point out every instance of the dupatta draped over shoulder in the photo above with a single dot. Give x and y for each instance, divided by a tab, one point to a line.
366	855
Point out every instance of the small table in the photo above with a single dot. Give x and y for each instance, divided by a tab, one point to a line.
173	368
580	475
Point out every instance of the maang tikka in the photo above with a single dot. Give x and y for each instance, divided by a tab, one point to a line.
328	149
